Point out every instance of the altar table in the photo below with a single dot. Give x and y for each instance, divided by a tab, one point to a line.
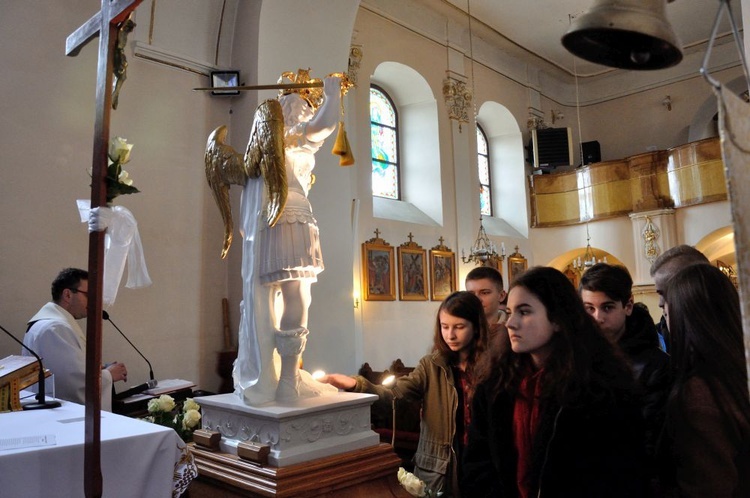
138	459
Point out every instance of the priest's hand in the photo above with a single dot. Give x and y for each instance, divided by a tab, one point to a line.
118	371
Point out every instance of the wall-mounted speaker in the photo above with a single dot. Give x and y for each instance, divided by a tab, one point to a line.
550	148
592	152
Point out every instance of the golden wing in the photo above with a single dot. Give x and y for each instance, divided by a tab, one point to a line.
265	156
224	166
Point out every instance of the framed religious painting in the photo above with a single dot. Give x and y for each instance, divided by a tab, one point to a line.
443	280
379	270
412	271
516	265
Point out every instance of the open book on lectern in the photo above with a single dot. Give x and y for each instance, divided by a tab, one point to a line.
153	388
169	386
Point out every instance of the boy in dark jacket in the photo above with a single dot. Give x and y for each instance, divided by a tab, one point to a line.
606	291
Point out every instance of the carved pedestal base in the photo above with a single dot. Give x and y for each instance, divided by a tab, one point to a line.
357	474
297	431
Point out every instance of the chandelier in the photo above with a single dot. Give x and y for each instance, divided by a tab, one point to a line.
582	263
484	251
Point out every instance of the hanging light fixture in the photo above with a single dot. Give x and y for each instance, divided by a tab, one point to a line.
588	259
626	34
484	251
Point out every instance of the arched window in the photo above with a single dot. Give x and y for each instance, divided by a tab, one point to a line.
384	139
483	164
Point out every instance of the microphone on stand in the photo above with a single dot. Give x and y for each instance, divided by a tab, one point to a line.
140	387
41	398
105	316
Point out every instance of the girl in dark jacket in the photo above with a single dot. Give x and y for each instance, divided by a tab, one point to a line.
557	415
706	442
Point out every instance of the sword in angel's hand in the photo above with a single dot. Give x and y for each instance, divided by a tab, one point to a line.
264	157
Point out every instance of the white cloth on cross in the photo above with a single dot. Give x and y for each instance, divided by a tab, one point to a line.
121	242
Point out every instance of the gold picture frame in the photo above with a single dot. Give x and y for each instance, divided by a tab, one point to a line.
517	264
378	270
443	280
412	271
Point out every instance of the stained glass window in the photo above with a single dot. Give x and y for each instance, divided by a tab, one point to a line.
384	139
483	162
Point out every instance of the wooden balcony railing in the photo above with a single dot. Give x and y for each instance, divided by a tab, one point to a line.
682	176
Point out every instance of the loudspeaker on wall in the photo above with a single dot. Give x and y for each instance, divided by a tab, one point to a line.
592	152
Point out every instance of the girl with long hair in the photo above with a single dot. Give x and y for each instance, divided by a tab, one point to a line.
444	382
705	447
557	415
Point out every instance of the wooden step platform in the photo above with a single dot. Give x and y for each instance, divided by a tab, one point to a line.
364	473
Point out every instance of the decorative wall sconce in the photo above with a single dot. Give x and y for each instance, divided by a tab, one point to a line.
667	102
557	115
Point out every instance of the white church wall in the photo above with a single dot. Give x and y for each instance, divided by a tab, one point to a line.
696	222
400	329
47	131
632	125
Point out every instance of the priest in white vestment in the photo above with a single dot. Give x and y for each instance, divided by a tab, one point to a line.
55	335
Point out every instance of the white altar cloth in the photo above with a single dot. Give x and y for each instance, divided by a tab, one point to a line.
137	458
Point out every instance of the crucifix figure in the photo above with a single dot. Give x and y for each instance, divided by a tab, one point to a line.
105	25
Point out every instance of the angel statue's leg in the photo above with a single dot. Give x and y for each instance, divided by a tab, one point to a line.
292	336
290	344
297	299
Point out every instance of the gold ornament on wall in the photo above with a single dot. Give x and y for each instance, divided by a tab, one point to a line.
458	99
650	233
355	60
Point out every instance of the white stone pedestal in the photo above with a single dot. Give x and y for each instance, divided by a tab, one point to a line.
296	431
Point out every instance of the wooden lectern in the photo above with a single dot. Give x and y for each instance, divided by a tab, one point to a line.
16	373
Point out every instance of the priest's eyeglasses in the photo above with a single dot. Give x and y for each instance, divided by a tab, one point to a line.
76	291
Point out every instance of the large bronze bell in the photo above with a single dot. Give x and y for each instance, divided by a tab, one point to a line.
626	34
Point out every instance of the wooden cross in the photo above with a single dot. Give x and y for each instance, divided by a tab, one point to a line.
103	24
377	233
441	240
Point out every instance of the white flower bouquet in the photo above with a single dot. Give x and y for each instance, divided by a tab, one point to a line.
118	180
413	484
184	420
